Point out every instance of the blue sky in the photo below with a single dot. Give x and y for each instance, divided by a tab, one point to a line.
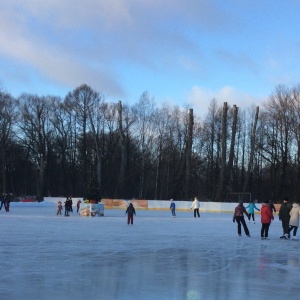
181	52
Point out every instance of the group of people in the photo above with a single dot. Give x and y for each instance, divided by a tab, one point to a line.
288	215
5	200
130	211
195	206
68	206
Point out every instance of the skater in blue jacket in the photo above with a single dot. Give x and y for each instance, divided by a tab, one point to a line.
251	208
172	207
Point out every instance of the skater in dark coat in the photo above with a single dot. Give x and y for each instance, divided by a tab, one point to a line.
266	217
78	205
294	221
284	216
70	204
9	198
130	211
2	200
238	216
67	207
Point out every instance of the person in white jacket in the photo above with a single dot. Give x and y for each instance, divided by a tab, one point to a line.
294	220
196	206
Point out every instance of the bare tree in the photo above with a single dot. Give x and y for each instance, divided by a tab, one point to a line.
189	145
36	133
279	112
223	159
252	148
232	144
7	117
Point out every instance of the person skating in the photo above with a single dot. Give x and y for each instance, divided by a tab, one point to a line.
196	206
251	208
78	205
9	198
67	207
294	221
173	207
130	211
284	216
59	208
266	217
238	216
70	204
2	200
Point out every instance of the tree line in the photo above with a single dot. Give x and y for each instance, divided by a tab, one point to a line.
54	146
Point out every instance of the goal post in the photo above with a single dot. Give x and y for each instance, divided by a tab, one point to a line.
237	197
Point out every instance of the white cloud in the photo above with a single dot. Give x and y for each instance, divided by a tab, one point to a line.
69	42
199	98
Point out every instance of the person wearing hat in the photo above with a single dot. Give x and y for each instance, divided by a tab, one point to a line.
284	216
266	217
238	216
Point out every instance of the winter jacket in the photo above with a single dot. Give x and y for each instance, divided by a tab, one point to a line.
172	205
195	204
251	207
266	214
294	213
130	210
239	211
284	212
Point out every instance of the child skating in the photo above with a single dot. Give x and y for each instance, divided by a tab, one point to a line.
59	208
251	208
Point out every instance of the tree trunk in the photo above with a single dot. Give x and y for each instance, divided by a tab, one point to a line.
189	154
98	153
223	158
232	144
121	179
252	145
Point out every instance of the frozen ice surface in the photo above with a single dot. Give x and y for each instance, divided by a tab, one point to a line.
48	257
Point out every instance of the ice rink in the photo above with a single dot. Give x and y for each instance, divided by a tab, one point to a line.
48	257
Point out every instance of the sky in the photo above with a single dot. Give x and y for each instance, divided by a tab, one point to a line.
183	53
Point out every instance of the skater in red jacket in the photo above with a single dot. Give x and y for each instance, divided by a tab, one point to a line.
266	217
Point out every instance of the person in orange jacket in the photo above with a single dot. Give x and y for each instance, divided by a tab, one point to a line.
266	217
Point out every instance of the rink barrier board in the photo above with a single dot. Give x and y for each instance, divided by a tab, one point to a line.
159	204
